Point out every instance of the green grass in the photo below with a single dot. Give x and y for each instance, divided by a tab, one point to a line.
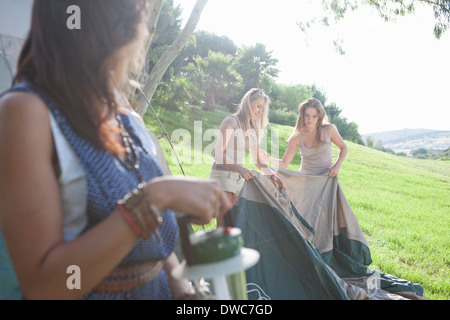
402	204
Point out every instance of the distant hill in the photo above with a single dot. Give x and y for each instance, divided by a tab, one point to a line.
407	140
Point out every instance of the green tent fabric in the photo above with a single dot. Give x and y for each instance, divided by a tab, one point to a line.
310	243
9	286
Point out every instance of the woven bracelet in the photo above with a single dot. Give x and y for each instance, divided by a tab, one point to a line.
143	216
130	220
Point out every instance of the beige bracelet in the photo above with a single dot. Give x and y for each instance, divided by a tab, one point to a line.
143	216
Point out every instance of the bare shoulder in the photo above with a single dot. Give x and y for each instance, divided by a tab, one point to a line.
22	104
228	123
332	130
335	136
294	140
24	118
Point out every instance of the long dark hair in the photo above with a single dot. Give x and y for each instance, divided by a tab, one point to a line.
321	122
73	67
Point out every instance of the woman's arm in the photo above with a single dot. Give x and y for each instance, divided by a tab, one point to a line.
258	160
30	210
289	154
336	138
261	165
31	213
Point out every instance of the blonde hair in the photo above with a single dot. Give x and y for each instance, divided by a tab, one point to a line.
321	122
243	112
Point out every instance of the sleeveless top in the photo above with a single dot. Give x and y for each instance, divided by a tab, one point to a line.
105	182
316	160
238	145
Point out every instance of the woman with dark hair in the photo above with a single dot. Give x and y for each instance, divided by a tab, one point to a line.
313	135
321	250
80	185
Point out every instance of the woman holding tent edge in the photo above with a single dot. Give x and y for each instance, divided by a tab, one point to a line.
313	135
322	217
239	133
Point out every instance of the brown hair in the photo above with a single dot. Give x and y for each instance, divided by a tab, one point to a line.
321	122
73	66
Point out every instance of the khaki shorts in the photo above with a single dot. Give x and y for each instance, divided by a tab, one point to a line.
230	181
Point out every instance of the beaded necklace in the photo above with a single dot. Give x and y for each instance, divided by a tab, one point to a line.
131	161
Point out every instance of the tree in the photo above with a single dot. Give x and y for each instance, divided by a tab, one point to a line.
151	26
445	156
369	141
332	110
420	153
348	130
164	25
388	10
319	94
215	75
255	62
289	97
199	46
175	93
206	41
169	56
284	102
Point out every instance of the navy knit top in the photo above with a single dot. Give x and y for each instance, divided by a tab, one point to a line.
107	182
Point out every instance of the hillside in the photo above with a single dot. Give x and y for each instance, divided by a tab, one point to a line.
407	140
401	203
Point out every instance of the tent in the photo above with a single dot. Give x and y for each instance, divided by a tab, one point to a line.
14	24
310	243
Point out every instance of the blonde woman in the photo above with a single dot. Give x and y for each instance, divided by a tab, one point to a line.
240	133
313	135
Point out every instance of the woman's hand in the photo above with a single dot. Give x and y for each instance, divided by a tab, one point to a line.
181	288
334	170
246	173
200	199
277	179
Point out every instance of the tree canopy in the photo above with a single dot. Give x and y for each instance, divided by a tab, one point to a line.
388	10
186	68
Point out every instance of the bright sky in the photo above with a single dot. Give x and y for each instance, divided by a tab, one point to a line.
394	75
